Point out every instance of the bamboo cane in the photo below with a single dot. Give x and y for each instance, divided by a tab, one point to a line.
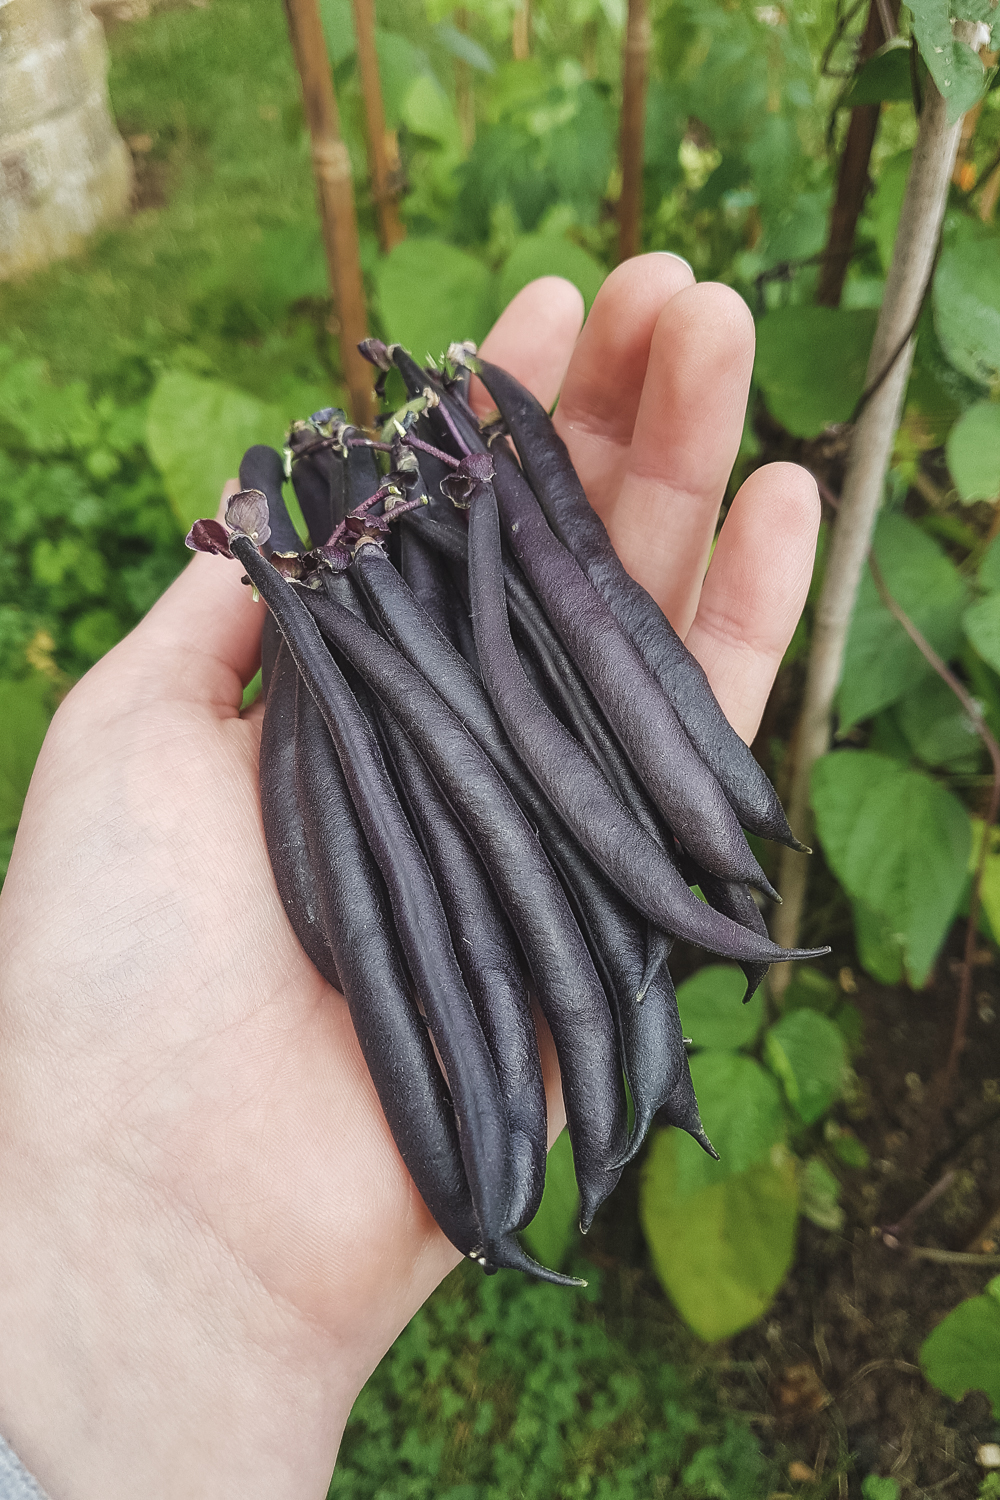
874	435
520	37
465	99
383	170
332	170
635	72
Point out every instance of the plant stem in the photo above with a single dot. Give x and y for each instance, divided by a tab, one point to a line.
946	1081
332	170
871	450
894	1234
951	1257
465	99
853	181
382	170
635	73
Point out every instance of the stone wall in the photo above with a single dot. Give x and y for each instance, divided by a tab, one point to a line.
64	169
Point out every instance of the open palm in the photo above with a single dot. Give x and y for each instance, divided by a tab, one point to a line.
210	1238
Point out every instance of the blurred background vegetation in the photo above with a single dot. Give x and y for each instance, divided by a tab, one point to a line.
133	375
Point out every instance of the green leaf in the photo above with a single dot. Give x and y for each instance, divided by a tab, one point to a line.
880	950
427	111
989	890
989	568
431	295
338	29
24	713
877	1487
461	45
884	76
197	431
963	1351
400	66
722	1253
973	450
537	255
554	1229
819	1195
712	1012
886	203
850	1023
937	728
966	297
982	626
811	989
898	842
846	1146
881	663
974	10
95	632
811	364
807	1052
742	1113
955	68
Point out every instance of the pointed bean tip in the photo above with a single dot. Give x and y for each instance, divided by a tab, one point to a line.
510	1255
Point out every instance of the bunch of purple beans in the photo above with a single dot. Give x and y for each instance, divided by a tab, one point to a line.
490	769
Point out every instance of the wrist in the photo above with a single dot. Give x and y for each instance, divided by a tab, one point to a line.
139	1356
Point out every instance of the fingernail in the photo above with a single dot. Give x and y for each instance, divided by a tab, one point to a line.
674	256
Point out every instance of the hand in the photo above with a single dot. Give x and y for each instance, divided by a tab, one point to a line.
208	1239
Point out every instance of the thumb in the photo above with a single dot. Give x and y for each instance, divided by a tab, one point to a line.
201	640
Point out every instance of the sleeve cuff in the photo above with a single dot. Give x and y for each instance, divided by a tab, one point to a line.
15	1481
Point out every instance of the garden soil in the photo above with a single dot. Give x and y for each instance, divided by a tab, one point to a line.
830	1378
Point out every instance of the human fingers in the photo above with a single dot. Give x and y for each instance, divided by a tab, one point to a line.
603	386
756	588
533	338
686	437
201	640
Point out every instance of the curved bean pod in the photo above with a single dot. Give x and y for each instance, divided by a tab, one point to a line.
672	771
736	901
649	1029
632	860
552	660
569	991
285	825
319	485
681	1110
417	911
499	994
426	574
391	1033
487	955
559	492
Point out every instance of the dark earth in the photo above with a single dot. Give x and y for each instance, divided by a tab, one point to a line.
831	1374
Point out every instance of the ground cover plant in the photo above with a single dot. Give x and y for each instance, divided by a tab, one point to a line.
132	379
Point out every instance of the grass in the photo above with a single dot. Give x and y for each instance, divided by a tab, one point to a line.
222	272
506	1389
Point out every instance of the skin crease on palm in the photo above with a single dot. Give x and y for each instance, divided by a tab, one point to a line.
207	1238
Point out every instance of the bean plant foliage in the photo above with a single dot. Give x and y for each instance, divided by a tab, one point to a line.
722	1233
128	394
